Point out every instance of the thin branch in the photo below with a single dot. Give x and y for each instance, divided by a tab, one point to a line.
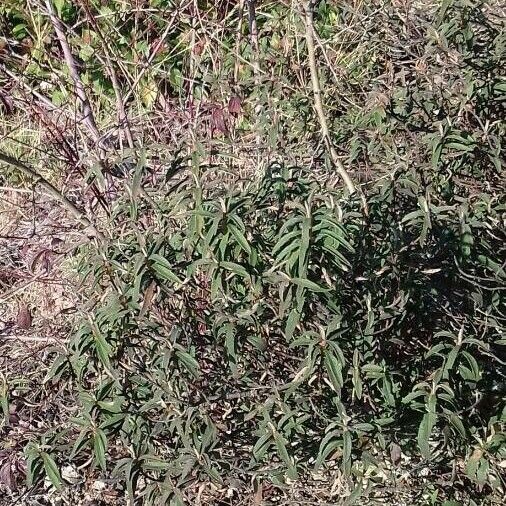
318	104
238	40
87	112
27	87
52	191
124	124
253	30
29	339
154	51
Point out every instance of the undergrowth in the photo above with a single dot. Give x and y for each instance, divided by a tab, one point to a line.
248	321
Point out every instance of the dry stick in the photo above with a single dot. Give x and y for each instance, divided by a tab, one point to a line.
318	98
155	49
27	87
88	117
87	113
253	30
122	115
28	339
238	41
51	191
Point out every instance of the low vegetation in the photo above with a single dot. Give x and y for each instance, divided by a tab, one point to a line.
251	329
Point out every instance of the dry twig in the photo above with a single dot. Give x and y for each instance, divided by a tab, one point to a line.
87	112
52	191
318	104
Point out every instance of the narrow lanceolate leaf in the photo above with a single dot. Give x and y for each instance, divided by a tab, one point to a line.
329	443
103	348
291	323
153	463
190	364
235	268
34	468
290	238
51	469
347	445
163	268
240	238
304	247
334	370
457	423
310	285
100	448
283	454
424	433
261	446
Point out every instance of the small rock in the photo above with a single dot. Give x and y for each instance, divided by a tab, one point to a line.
99	485
68	473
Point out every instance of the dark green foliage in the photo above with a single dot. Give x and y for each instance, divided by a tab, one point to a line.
278	328
271	327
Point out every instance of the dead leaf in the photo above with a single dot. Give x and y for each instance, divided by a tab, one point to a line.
198	48
218	120
395	453
6	476
42	257
148	299
234	105
258	497
24	318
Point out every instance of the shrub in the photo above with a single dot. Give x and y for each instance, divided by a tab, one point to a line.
278	327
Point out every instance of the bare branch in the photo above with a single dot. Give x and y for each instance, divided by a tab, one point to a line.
52	191
87	112
318	104
124	124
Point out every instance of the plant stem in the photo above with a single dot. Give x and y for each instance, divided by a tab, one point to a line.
52	191
318	104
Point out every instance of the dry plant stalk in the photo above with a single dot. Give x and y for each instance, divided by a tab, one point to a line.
87	112
124	124
52	191
318	104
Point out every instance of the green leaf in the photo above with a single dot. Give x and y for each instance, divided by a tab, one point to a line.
291	323
482	472
163	268
34	468
261	446
304	246
191	365
240	238
291	239
235	268
329	443
334	370
51	469
59	365
283	454
355	495
495	267
457	423
424	433
103	348
59	4
305	283
100	448
153	463
412	396
80	443
347	445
